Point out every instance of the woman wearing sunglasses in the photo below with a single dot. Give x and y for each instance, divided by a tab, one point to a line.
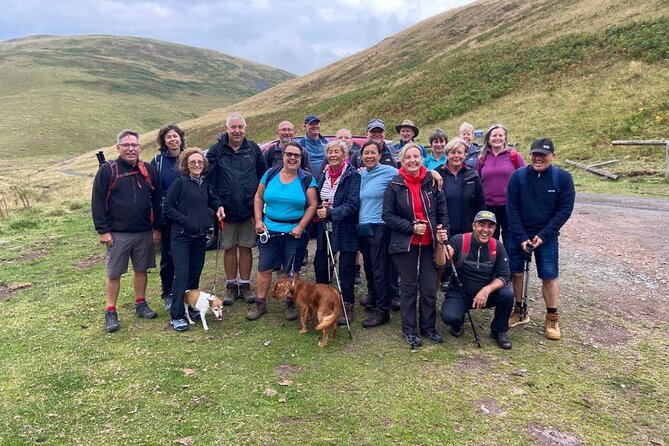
186	206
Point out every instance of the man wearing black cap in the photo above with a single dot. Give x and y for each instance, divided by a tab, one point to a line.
483	269
314	143
376	131
539	201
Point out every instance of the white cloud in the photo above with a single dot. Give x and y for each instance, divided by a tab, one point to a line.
296	35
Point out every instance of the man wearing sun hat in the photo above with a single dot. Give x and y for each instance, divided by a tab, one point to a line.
314	143
539	201
483	271
407	131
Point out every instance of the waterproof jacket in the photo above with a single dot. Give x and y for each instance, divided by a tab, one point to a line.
472	195
343	213
399	215
132	206
234	176
187	203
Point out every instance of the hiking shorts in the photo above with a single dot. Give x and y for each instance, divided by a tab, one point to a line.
241	233
545	256
282	250
137	246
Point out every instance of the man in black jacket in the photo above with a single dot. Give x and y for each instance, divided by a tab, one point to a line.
273	156
484	272
126	205
236	165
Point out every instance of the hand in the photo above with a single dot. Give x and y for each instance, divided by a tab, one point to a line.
220	213
449	253
525	246
260	227
481	298
437	180
322	213
442	235
536	241
106	239
297	231
419	228
157	236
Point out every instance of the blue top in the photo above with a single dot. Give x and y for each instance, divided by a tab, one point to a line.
168	171
538	206
285	202
372	187
431	163
316	150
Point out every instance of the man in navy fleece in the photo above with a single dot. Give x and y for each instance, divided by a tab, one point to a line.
539	201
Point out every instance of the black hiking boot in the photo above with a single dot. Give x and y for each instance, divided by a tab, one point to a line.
111	321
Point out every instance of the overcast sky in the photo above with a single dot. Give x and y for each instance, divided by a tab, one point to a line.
295	35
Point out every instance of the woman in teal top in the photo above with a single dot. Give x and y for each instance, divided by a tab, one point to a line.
284	205
437	157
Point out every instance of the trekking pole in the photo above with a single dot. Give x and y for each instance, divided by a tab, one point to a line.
328	227
477	339
221	223
526	280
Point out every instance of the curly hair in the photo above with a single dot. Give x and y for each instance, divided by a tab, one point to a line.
160	140
183	160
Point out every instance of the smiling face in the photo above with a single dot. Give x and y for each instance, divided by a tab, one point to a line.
541	162
412	161
406	134
292	158
371	156
129	149
497	139
438	146
335	156
196	165
456	156
483	231
377	135
236	131
313	129
466	134
172	141
285	132
345	136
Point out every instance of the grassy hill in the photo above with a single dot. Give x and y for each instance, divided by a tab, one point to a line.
64	95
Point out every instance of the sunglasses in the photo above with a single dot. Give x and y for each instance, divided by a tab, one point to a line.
292	155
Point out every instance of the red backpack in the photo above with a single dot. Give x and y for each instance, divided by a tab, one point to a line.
515	159
113	166
466	243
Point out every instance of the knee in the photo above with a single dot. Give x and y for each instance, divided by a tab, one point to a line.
506	296
450	316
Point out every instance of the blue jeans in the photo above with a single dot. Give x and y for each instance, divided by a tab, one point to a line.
546	257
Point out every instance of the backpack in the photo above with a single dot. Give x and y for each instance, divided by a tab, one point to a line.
466	242
515	159
304	176
113	166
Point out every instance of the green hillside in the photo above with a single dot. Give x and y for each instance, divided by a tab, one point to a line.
63	95
582	72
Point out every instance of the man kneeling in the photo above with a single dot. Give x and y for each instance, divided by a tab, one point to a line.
483	267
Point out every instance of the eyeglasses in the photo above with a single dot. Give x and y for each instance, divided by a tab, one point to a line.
196	163
292	155
127	145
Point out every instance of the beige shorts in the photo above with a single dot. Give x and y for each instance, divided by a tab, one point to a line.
240	233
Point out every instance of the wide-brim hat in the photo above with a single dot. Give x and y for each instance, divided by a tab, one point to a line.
407	123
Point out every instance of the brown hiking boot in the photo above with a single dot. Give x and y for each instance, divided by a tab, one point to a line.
377	318
257	310
553	326
349	313
291	310
517	318
395	304
231	293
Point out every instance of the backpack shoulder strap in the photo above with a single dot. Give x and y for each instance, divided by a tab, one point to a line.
492	244
466	241
145	173
554	175
514	158
271	173
113	167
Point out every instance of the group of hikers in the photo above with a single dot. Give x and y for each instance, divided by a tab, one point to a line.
465	215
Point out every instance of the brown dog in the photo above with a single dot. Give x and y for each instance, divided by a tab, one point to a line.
312	298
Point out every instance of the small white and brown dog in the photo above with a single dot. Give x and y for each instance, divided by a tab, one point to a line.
203	302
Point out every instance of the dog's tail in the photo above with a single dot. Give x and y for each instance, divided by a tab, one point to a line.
327	321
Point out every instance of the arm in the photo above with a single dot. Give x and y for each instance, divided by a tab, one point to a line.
101	218
309	212
565	206
261	166
258	206
351	202
211	176
172	201
390	212
442	209
156	197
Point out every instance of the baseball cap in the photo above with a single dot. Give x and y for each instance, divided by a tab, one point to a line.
544	146
311	118
485	215
375	123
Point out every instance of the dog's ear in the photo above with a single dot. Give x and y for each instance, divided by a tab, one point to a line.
210	297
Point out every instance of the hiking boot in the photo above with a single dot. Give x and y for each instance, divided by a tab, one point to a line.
180	325
245	293
377	318
433	335
167	302
502	339
553	326
517	318
142	310
291	310
395	304
349	313
457	331
366	302
413	340
111	321
257	310
231	293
